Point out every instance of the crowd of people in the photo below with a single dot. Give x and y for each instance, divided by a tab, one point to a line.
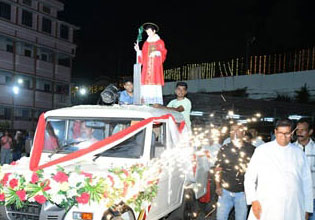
276	180
14	146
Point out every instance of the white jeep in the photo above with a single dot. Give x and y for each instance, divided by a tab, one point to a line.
98	138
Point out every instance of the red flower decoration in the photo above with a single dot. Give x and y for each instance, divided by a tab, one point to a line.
5	179
13	163
88	175
111	179
40	199
125	172
21	194
125	189
35	178
45	185
61	177
83	199
13	183
2	197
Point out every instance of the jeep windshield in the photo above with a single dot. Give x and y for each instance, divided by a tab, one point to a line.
68	135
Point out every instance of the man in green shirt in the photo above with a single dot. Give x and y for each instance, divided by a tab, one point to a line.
181	103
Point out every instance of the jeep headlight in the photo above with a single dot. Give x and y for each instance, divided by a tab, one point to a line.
82	216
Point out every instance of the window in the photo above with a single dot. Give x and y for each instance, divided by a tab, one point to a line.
6	44
45	55
24	81
27	2
8	80
5	77
28	50
5	114
22	114
62	89
74	134
46	9
47	87
27	53
64	31
24	49
5	10
27	18
43	85
64	60
158	142
46	25
9	48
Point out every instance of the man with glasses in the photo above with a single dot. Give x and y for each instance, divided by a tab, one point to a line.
278	182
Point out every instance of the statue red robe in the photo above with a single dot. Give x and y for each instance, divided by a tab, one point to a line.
153	56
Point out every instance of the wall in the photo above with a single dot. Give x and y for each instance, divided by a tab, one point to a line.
258	85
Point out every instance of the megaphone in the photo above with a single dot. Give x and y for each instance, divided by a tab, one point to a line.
110	95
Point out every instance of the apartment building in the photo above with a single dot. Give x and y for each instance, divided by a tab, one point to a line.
36	52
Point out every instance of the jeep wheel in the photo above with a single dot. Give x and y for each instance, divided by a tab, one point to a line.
189	208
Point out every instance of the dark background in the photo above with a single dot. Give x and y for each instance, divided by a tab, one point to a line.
194	32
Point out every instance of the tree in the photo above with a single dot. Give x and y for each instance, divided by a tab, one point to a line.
302	95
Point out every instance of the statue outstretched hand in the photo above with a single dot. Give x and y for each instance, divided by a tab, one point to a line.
136	47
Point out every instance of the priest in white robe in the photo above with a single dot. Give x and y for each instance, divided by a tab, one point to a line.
278	182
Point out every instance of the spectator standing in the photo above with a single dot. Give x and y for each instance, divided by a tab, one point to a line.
6	145
278	182
256	140
304	132
230	169
28	143
126	96
17	146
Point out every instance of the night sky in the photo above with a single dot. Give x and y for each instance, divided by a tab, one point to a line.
194	32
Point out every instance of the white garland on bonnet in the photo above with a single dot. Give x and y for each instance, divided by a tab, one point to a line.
136	186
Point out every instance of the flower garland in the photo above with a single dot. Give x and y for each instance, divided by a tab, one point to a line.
136	186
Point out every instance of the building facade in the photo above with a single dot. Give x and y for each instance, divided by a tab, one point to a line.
36	52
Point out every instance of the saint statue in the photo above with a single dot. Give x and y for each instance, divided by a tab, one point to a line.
152	57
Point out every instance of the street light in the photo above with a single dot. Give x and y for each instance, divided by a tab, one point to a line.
20	81
15	90
82	91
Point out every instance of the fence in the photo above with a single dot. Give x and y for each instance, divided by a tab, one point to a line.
299	60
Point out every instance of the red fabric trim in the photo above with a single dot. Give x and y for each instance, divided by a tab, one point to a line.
181	126
38	142
207	196
40	136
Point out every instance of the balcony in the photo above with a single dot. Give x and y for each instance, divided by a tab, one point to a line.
25	64
62	100
63	73
6	60
43	100
24	98
23	125
5	95
44	69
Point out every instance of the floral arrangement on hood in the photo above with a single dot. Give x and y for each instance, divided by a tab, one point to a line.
136	186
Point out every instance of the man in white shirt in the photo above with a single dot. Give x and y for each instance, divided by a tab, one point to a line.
304	132
181	103
278	182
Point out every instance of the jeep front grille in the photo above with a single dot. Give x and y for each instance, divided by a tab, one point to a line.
29	212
